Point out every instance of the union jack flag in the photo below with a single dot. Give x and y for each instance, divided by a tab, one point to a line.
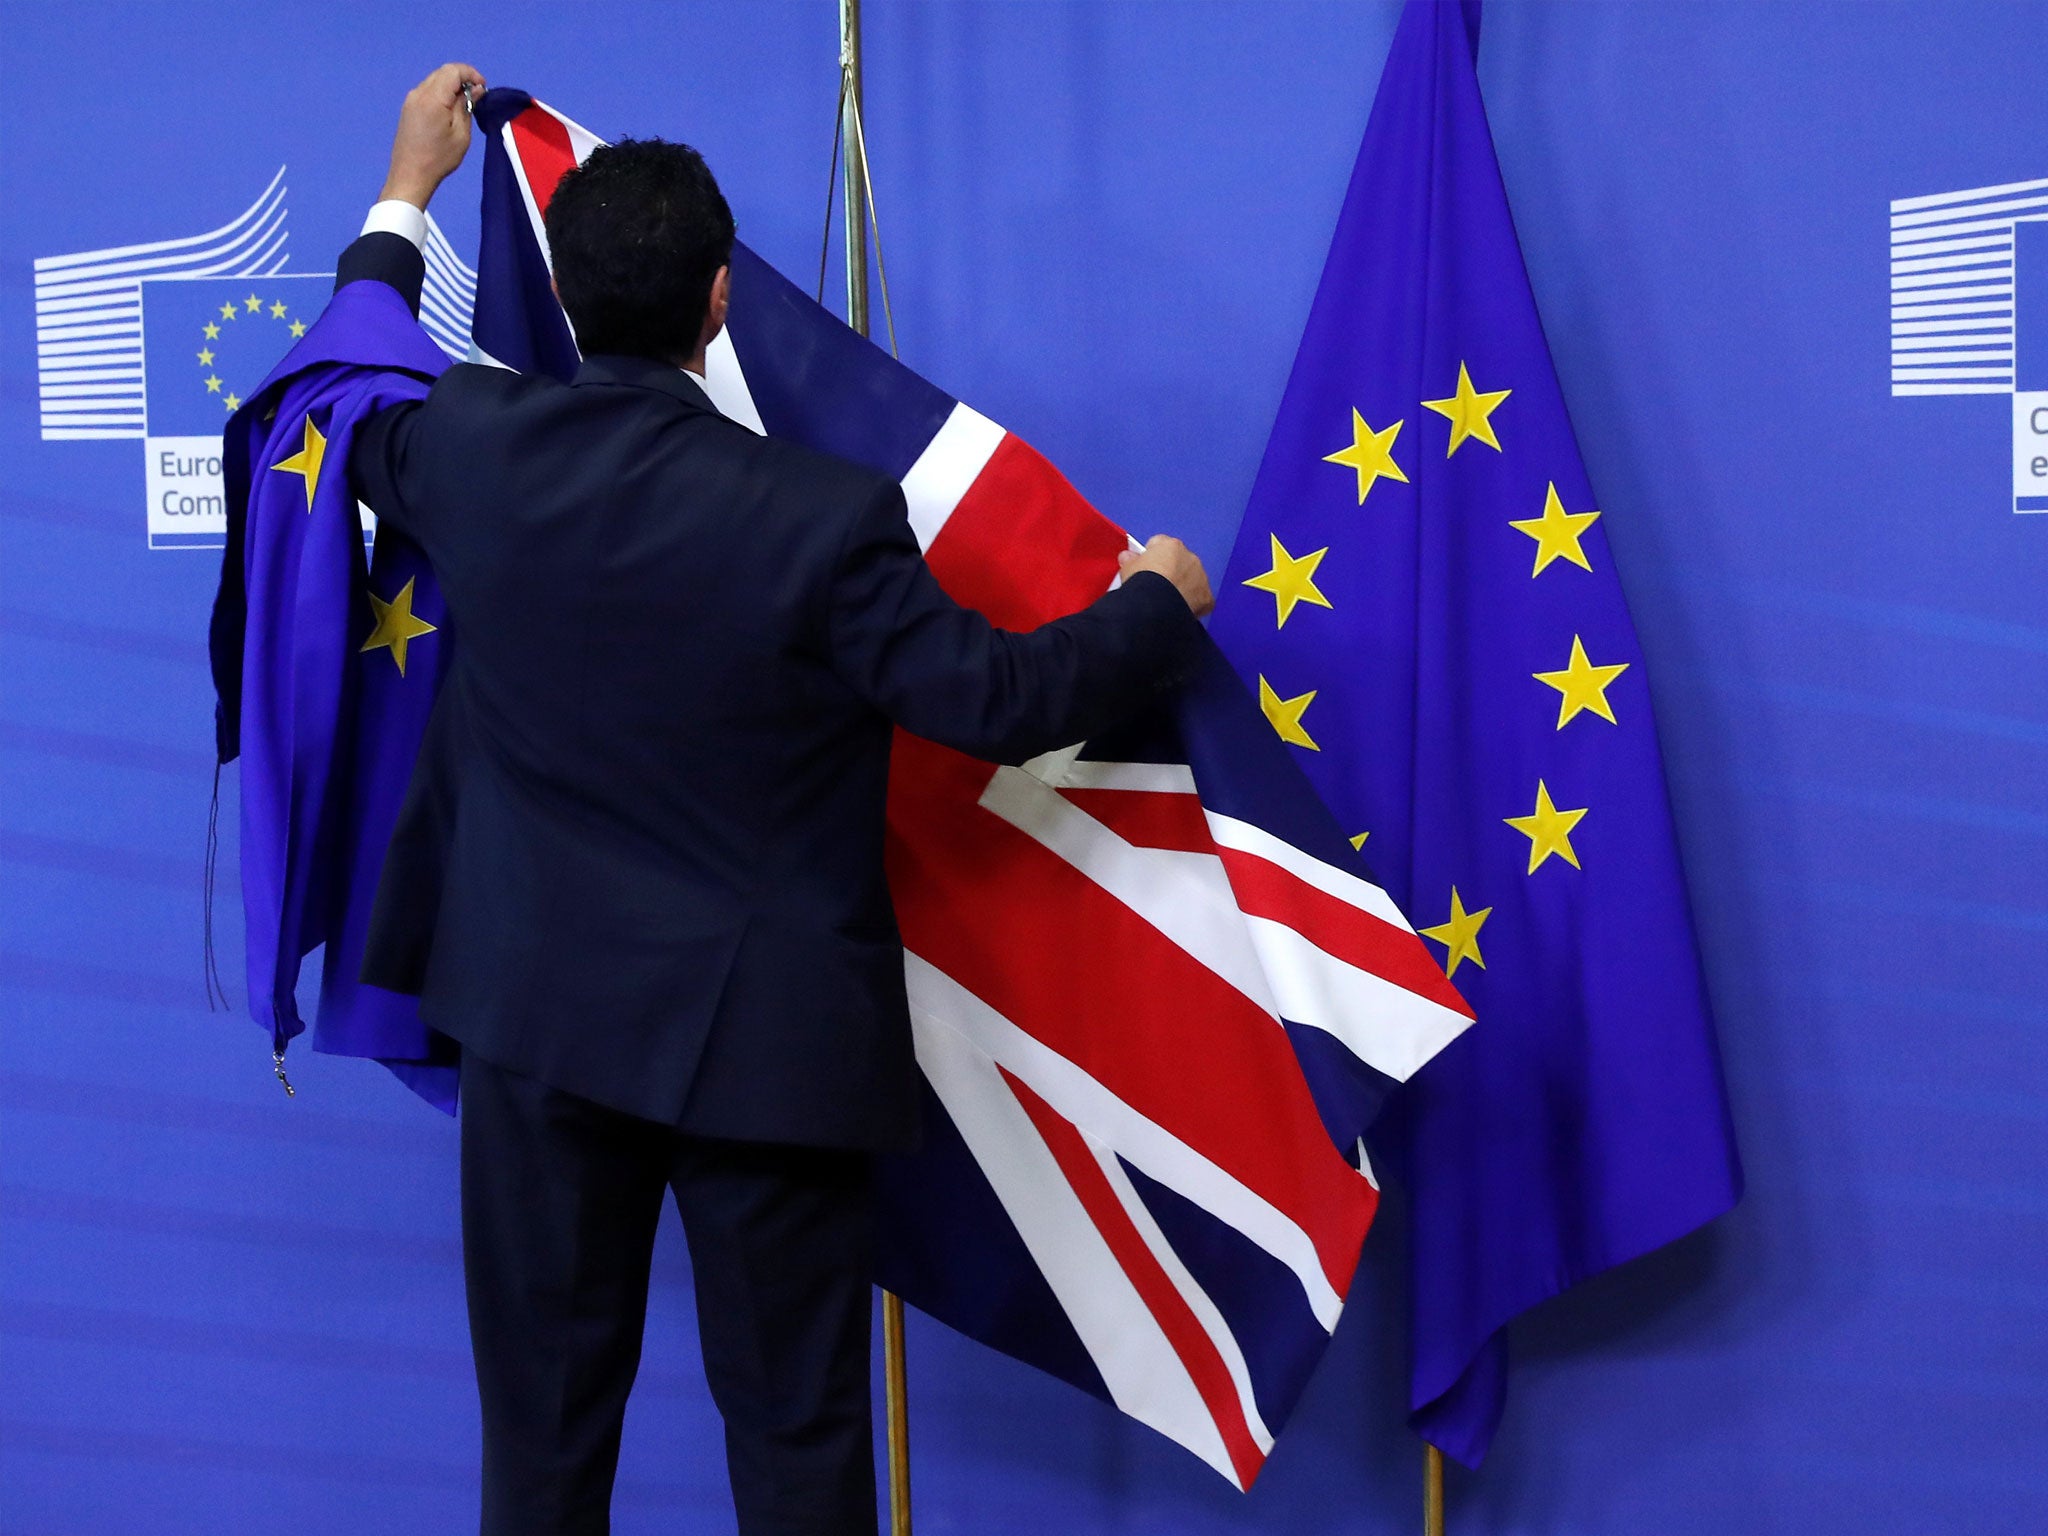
1156	998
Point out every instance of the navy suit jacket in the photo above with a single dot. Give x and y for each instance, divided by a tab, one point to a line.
641	856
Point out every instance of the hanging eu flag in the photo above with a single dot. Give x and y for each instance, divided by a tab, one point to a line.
1423	597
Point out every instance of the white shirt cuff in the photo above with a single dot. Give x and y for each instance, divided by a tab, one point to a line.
395	216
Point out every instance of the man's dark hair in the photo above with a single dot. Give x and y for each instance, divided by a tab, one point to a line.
637	232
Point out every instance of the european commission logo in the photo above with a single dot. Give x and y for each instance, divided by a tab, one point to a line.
1970	310
161	342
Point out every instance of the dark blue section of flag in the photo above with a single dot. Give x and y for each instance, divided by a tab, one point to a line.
517	321
954	1254
1582	1120
818	382
1260	1298
1349	1094
1244	770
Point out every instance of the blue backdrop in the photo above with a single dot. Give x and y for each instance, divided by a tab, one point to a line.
223	1311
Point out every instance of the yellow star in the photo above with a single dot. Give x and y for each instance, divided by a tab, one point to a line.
212	384
1469	412
1459	935
1290	580
277	310
228	310
206	357
255	304
1358	842
1556	532
212	331
1548	829
298	329
1582	685
396	624
1371	454
233	402
1286	714
306	462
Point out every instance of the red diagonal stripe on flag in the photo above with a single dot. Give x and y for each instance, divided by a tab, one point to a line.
1355	936
545	155
1023	547
1162	1298
1049	949
1148	818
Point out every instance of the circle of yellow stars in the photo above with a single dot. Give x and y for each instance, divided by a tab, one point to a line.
1581	684
253	307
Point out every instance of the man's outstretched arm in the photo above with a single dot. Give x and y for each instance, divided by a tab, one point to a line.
945	673
432	138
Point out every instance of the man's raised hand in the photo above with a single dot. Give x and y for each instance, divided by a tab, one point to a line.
433	133
1178	564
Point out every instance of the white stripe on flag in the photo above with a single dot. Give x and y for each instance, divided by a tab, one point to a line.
1382	1023
1150	778
726	383
948	467
1348	888
937	999
581	140
533	218
1139	1365
1186	896
1191	1292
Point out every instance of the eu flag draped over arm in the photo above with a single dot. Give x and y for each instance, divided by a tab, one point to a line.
325	671
1423	597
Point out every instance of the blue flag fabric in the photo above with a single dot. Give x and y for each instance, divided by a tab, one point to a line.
325	668
1423	596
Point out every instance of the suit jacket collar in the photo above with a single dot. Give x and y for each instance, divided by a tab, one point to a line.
645	373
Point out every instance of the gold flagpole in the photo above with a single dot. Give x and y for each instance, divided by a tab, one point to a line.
896	1392
1432	1491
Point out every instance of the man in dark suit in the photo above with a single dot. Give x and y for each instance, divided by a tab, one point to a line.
639	874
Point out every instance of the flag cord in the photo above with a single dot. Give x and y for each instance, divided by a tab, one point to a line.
867	182
860	216
831	185
848	115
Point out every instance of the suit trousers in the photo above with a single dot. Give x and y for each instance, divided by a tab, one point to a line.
560	1201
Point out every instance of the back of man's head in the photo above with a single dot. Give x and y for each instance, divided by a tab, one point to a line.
637	232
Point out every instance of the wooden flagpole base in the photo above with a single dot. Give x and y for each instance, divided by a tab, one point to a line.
1432	1491
896	1406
